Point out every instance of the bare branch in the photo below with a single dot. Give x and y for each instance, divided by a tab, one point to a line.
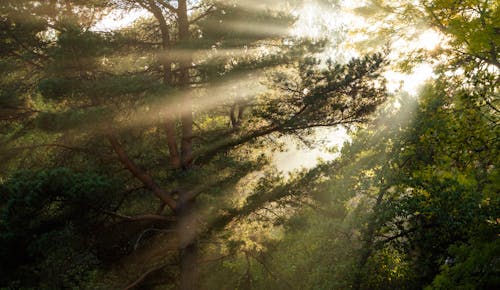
168	6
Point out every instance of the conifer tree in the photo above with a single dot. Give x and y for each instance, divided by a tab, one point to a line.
167	94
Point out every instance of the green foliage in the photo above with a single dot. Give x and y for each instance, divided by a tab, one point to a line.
47	221
472	24
88	120
412	201
336	94
474	265
236	24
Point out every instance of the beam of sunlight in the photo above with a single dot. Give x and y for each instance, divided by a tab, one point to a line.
224	93
256	28
205	98
430	39
200	55
417	40
314	21
308	24
120	18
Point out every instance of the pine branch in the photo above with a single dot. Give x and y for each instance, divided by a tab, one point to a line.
208	154
77	149
140	174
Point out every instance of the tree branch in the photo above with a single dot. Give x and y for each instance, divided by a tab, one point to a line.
400	235
168	6
142	217
209	153
202	15
139	173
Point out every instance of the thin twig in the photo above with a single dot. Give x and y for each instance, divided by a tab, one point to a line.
140	217
136	245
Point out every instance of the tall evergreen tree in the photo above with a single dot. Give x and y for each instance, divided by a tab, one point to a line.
167	94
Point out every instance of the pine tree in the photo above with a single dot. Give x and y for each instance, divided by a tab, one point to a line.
168	92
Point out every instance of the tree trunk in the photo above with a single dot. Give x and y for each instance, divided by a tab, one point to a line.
175	160
188	246
187	115
168	80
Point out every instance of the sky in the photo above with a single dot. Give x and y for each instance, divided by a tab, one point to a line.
315	21
119	19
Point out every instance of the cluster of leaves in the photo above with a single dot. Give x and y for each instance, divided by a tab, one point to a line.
418	188
412	202
68	86
48	224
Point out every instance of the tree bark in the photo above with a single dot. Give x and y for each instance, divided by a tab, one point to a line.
168	80
175	159
187	233
186	224
187	114
188	246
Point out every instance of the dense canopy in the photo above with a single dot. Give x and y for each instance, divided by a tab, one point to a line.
139	143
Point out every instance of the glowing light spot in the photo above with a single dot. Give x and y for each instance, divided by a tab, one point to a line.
294	158
307	25
409	83
429	39
119	19
316	21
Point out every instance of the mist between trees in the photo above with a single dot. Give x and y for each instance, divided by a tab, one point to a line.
142	155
